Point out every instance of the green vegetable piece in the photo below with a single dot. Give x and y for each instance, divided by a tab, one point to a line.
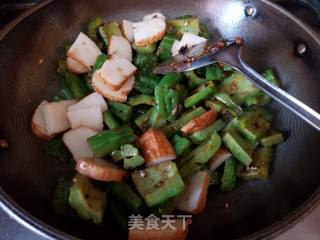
164	50
252	125
112	28
186	16
159	183
142	121
181	145
260	167
99	61
227	101
182	121
196	160
120	110
57	149
272	139
149	49
122	193
93	27
194	79
133	162
214	72
227	68
182	91
181	26
159	95
141	99
77	87
109	120
198	97
237	86
156	120
145	62
237	149
170	80
146	82
126	150
103	36
172	104
204	134
60	202
88	201
229	177
107	141
204	31
86	79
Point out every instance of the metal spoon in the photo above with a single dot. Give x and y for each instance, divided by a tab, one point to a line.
231	55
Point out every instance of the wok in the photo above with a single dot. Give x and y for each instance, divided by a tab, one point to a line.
260	209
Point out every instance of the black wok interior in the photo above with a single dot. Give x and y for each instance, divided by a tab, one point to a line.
28	175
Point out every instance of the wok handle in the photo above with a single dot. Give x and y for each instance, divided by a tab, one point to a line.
313	5
284	98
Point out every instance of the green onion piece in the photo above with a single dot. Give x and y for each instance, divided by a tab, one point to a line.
99	61
165	46
229	177
112	28
103	36
194	79
149	49
141	99
181	145
214	72
204	134
93	27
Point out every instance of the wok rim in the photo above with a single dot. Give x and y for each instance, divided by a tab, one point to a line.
23	217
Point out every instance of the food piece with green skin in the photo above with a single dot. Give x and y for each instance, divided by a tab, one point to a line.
172	104
142	121
60	201
156	120
260	167
236	149
88	201
204	31
145	62
109	120
107	141
122	193
238	87
87	80
103	36
141	99
261	98
159	183
182	121
159	95
56	148
126	150
220	107
229	177
120	217
198	97
77	87
196	160
181	26
252	125
170	80
272	139
120	110
149	49
99	61
164	50
226	68
146	82
204	134
194	79
112	28
227	101
133	162
181	145
214	72
93	28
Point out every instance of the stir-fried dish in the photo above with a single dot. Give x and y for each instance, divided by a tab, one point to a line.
151	145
